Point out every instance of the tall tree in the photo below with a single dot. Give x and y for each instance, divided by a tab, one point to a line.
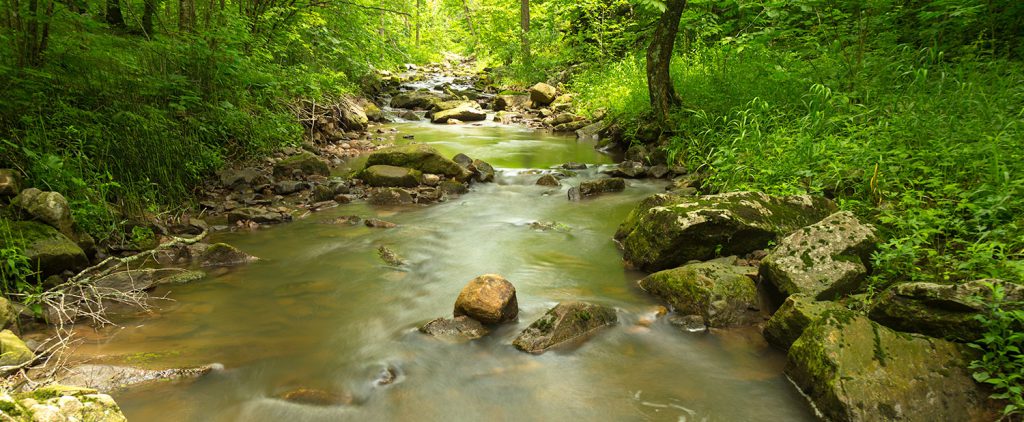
148	10
524	28
29	22
114	16
186	15
659	58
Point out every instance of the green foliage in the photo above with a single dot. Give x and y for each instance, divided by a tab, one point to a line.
17	276
1001	364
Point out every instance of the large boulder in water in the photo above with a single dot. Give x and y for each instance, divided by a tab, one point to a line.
943	310
543	94
721	293
856	370
13	351
420	157
794	316
566	322
303	163
826	260
490	299
462	113
415	100
46	248
666	231
391	176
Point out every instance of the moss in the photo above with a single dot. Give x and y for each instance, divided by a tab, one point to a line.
879	350
42	394
10	408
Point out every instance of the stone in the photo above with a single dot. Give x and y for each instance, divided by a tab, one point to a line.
453	187
722	293
593	132
48	207
46	248
390	257
322	193
856	370
241	178
511	102
147	278
598	186
111	378
391	176
351	115
574	166
825	260
543	94
689	323
548	180
8	315
794	316
60	403
482	171
463	160
562	103
566	322
629	169
464	113
431	179
13	351
943	310
419	157
665	230
659	171
569	126
415	100
390	196
379	224
219	255
314	397
10	182
304	163
458	328
490	299
258	215
288	187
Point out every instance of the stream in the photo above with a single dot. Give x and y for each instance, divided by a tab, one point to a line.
322	311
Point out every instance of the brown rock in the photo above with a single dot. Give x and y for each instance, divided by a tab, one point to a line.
490	299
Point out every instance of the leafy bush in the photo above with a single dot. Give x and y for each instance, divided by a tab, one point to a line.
1001	364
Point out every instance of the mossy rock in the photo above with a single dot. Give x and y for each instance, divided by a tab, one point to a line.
942	310
856	370
13	351
146	278
458	328
304	162
511	100
794	316
670	230
566	322
415	100
391	176
464	113
825	260
8	316
722	294
46	248
390	196
419	157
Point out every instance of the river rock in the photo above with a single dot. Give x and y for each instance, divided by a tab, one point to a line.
464	113
10	183
666	230
794	316
243	178
722	293
391	176
460	327
453	187
48	207
482	171
60	403
351	116
219	255
390	196
942	310
315	397
548	180
109	378
511	102
303	163
826	260
379	224
390	257
420	157
463	160
13	351
567	321
415	100
562	103
258	215
146	278
490	299
543	94
46	248
856	370
8	315
288	187
596	187
629	169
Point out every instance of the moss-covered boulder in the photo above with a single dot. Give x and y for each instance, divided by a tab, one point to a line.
668	230
46	248
825	260
464	113
566	322
391	176
13	351
8	316
47	207
420	157
543	94
415	100
511	102
458	328
548	180
794	316
942	310
303	163
390	196
490	299
60	403
721	293
854	369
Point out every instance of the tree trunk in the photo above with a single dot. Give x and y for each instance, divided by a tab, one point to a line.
659	58
524	27
419	4
114	16
148	10
469	18
186	15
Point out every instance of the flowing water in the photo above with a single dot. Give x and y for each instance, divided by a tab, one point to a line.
321	311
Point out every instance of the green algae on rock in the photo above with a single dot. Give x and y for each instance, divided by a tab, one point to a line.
46	248
566	322
420	157
391	176
721	293
794	316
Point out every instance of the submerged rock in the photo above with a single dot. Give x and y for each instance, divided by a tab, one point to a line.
490	299
856	370
113	377
596	187
60	403
794	316
460	327
13	351
666	230
420	157
303	163
219	255
721	293
46	248
825	260
379	224
391	176
390	257
543	94
566	322
943	310
147	278
314	397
